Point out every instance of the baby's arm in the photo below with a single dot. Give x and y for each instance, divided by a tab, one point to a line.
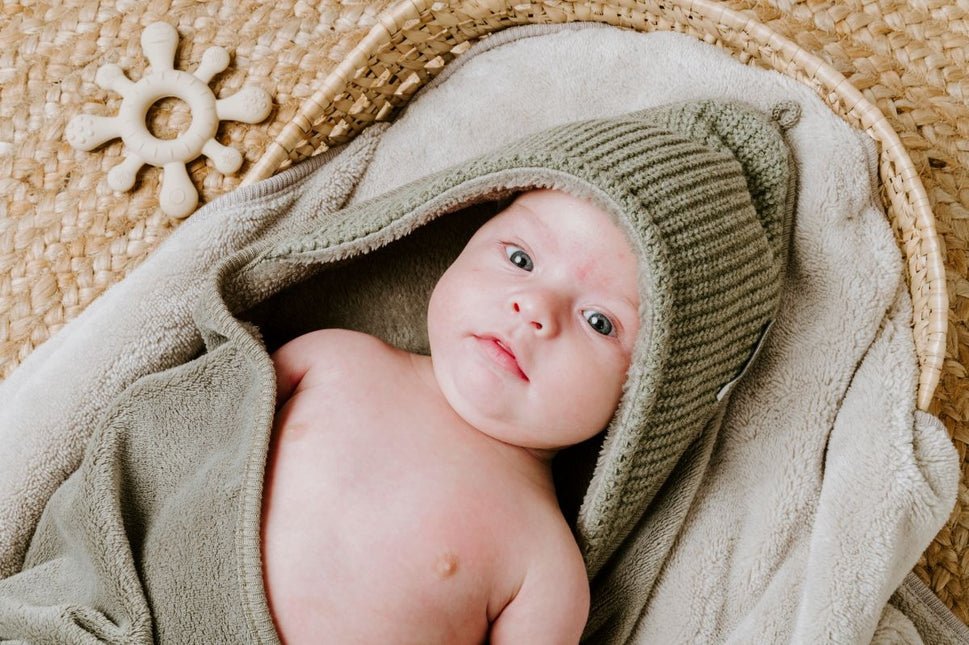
551	607
292	361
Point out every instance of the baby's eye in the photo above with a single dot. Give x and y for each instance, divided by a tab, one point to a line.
519	258
599	322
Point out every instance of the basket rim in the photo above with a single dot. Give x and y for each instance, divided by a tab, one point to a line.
896	162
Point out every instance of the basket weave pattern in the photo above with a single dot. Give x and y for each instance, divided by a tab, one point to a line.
65	237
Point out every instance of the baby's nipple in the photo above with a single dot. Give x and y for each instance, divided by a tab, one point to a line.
447	565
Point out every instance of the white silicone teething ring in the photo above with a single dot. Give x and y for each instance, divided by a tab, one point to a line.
178	196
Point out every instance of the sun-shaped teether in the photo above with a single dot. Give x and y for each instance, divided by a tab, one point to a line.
178	196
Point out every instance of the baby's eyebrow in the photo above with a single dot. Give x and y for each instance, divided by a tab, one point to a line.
626	300
535	222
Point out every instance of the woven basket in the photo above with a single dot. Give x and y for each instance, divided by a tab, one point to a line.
416	38
65	237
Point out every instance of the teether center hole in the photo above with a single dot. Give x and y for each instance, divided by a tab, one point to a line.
168	118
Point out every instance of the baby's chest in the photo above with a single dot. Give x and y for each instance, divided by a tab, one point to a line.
405	503
401	518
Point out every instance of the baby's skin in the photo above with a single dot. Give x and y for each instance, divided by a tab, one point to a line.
409	498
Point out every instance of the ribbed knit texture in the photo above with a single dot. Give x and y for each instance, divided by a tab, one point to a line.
705	188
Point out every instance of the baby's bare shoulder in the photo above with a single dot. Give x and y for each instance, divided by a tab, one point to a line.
342	340
329	357
342	348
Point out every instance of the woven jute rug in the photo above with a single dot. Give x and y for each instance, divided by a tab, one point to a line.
65	236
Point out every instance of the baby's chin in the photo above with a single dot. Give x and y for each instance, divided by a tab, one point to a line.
509	419
504	431
539	441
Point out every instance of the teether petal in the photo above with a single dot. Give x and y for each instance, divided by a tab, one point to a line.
249	105
110	77
178	197
122	176
227	160
214	60
87	131
159	41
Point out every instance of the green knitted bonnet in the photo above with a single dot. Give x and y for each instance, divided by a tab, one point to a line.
704	192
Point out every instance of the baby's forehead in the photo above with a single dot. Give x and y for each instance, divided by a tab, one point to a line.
547	200
558	215
547	206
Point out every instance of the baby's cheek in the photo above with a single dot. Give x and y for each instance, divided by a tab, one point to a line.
610	379
585	381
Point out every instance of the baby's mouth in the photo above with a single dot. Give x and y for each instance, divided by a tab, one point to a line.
502	354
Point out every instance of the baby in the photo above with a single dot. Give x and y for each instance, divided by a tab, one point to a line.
450	528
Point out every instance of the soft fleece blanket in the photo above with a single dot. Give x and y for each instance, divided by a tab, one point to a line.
796	521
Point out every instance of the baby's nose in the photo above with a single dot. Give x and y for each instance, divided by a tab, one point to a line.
538	310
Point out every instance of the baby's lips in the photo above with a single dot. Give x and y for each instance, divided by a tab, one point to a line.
504	354
505	346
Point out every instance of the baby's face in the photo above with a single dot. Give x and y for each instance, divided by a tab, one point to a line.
532	328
